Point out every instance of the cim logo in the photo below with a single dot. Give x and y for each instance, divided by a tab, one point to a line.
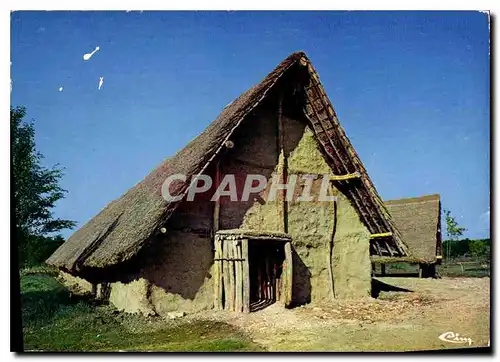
453	337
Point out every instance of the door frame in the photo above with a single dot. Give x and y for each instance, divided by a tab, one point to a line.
232	268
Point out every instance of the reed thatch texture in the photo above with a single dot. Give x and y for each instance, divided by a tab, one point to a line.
125	225
418	220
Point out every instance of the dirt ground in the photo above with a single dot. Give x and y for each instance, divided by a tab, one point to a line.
395	321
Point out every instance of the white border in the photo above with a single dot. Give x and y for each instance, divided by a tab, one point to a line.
188	5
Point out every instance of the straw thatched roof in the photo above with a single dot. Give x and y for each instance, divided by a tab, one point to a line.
125	225
419	221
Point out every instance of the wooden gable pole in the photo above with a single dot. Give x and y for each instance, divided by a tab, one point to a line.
218	254
282	169
217	202
282	208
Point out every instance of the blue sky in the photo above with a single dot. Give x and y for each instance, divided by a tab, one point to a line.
411	90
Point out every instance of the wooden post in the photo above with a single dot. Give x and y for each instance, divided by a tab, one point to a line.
278	289
288	278
274	286
218	284
432	270
245	276
217	202
225	271
218	275
259	284
420	270
230	256
238	270
282	169
268	292
382	266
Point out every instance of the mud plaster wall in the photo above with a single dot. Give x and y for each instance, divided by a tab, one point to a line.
351	253
176	277
255	152
75	284
177	267
311	226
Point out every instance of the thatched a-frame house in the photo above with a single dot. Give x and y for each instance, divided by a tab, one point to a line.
146	254
419	221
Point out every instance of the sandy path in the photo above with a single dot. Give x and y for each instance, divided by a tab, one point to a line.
396	321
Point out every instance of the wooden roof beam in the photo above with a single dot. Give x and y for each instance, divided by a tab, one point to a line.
348	176
380	235
338	164
317	93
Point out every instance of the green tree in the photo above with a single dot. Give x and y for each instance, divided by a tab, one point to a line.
36	190
453	231
457	247
479	248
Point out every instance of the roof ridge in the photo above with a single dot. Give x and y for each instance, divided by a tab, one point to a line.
432	197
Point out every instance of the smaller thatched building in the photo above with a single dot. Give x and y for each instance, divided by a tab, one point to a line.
419	221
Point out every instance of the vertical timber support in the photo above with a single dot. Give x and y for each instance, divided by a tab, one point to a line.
238	282
218	284
288	275
282	207
245	276
217	202
282	169
382	267
225	272
93	292
230	262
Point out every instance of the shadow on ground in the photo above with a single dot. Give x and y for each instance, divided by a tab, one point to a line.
378	286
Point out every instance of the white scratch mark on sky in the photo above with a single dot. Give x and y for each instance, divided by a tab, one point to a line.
89	55
101	81
485	216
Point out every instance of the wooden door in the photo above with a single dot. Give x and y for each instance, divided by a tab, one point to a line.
231	285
